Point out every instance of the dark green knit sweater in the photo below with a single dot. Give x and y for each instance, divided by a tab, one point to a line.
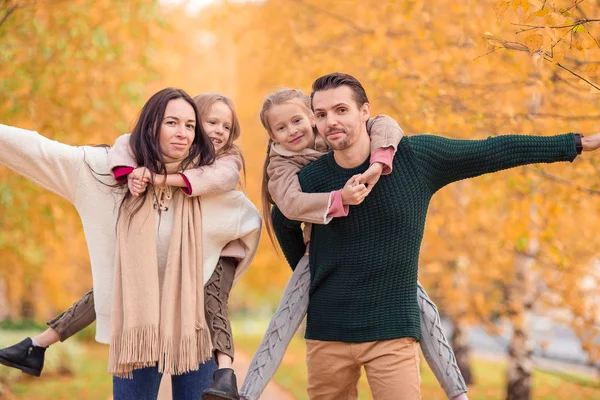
364	266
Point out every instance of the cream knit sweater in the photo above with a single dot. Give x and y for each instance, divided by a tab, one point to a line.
67	171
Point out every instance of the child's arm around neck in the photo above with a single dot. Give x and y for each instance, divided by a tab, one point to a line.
221	176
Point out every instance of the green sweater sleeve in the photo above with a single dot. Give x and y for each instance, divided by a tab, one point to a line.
289	235
442	160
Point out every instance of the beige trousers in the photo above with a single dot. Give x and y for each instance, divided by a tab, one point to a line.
392	368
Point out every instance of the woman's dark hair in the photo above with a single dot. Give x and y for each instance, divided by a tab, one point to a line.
145	139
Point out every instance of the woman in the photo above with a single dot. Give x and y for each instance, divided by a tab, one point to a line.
169	281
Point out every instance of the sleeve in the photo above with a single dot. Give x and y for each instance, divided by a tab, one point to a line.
385	136
338	209
289	235
221	176
384	132
121	155
54	166
247	235
287	193
442	161
385	157
121	173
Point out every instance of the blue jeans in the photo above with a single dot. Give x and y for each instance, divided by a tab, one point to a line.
146	381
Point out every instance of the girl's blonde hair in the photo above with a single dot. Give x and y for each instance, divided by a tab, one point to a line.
204	102
279	97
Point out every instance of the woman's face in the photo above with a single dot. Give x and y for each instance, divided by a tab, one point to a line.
291	126
177	130
217	124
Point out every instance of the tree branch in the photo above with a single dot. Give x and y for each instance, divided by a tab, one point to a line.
574	73
499	43
333	15
8	13
592	36
570	8
573	25
563	181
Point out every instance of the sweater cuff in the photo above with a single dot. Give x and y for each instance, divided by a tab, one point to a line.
337	207
384	156
121	173
188	189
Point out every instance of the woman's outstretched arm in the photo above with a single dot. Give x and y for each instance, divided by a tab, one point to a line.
50	164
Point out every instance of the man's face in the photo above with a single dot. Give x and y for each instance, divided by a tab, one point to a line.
338	117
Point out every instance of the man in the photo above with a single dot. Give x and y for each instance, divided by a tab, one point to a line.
363	307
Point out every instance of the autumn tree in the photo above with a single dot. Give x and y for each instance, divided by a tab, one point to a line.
72	70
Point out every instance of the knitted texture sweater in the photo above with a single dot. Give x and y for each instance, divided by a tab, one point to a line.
364	288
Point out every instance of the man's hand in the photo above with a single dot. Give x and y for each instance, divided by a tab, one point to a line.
354	192
591	143
371	175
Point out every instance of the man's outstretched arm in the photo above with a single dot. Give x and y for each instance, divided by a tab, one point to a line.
289	235
442	160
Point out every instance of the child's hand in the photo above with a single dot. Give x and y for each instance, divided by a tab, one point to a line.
371	175
136	186
137	181
354	192
142	174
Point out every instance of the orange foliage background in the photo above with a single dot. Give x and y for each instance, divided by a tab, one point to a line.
78	71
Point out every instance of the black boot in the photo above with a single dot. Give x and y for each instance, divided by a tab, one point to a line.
224	386
24	356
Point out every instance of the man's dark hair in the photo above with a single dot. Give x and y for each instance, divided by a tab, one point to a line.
337	79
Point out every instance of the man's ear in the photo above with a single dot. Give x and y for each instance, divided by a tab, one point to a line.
365	112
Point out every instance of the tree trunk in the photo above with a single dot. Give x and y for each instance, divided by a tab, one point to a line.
460	345
4	306
521	293
28	305
521	297
460	335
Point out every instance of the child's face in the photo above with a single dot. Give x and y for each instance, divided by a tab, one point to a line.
217	124
291	126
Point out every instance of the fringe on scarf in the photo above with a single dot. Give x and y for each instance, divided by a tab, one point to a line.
141	347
